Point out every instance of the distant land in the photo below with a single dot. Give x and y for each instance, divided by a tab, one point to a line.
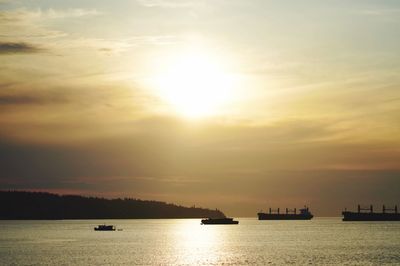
21	205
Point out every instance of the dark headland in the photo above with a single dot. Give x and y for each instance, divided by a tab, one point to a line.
18	205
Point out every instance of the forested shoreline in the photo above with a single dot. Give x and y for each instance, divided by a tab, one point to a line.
22	205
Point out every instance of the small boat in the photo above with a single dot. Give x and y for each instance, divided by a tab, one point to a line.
219	221
103	227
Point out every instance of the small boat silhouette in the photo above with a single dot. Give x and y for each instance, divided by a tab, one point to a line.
103	227
219	221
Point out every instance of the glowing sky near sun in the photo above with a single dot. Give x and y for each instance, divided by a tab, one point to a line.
203	101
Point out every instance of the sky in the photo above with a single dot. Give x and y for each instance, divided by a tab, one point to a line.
231	104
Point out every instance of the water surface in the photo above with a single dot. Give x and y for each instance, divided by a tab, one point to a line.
323	241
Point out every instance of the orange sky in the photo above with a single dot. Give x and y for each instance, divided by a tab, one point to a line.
237	105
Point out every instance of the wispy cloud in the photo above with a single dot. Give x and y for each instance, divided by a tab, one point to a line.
380	12
33	23
23	14
6	100
10	100
115	46
169	3
18	48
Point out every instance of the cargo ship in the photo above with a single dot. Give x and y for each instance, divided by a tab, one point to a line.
368	214
219	221
289	214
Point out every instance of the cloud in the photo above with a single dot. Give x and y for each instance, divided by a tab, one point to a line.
68	13
20	26
31	99
102	45
170	161
25	15
169	3
19	48
27	23
379	12
17	100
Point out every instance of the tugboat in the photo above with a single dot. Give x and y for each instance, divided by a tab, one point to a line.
368	214
304	214
103	227
219	221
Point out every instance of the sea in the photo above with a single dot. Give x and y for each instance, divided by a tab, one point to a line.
321	241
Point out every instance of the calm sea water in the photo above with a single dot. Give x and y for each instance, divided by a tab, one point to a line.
324	241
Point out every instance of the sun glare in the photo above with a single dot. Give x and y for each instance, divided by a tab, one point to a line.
195	84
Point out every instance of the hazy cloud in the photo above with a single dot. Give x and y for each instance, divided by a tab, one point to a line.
25	23
25	15
19	47
33	99
380	12
18	100
169	3
171	161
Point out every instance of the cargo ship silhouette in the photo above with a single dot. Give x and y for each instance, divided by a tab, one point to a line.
368	214
304	214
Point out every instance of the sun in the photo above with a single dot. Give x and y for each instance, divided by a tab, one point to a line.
195	84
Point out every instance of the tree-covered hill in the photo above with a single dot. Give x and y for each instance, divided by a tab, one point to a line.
21	205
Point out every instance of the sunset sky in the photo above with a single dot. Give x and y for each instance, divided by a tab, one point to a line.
239	105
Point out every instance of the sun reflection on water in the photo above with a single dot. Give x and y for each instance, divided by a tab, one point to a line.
197	244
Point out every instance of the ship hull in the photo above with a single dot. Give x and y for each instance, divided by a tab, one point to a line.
355	216
276	216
